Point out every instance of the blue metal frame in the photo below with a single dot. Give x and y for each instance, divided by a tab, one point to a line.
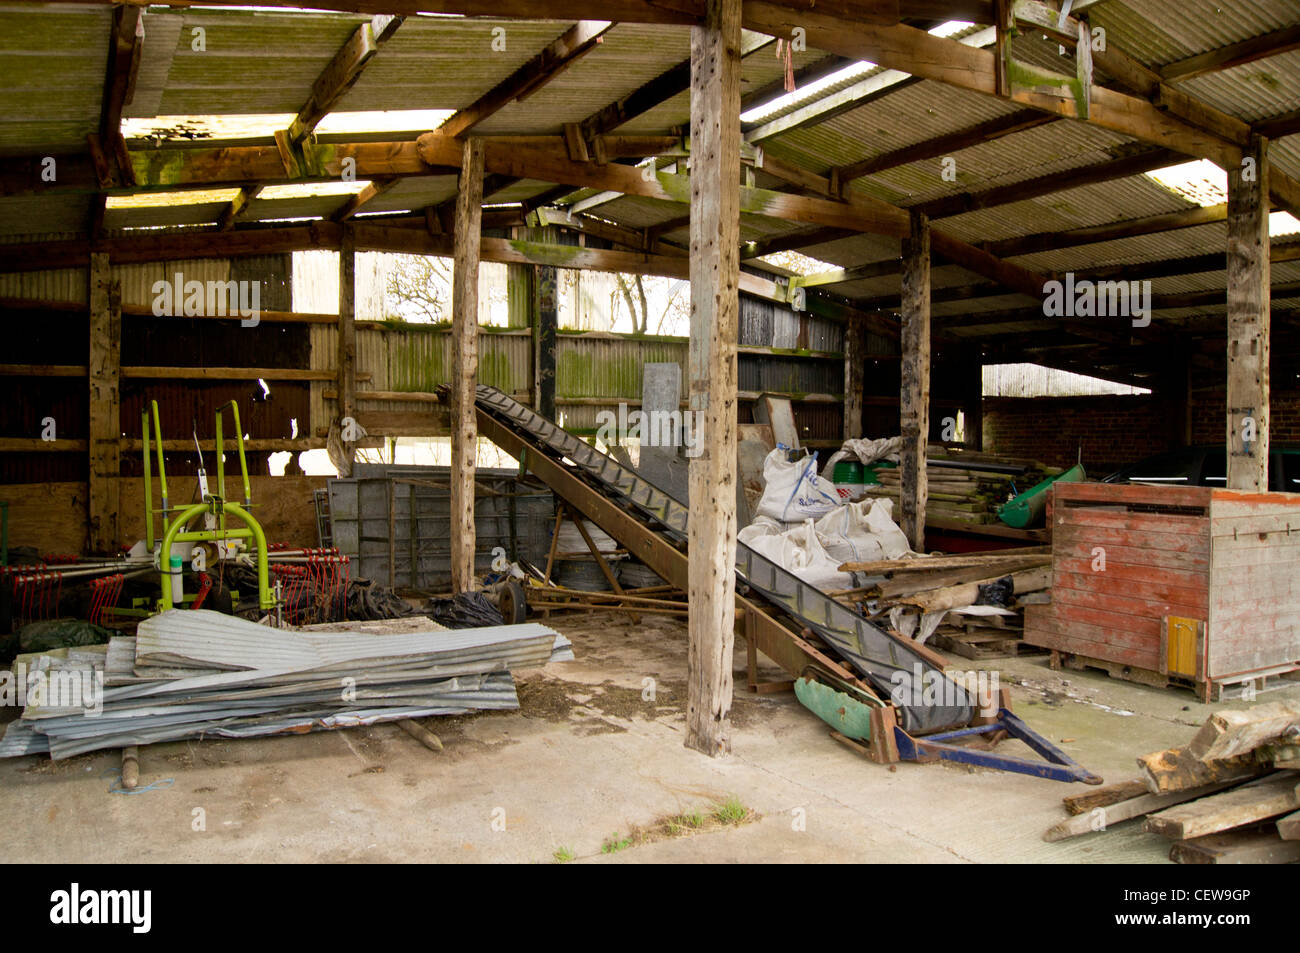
1057	766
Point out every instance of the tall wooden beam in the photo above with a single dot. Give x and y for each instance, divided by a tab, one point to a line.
105	430
464	345
545	331
715	306
914	399
1248	321
347	350
855	366
973	403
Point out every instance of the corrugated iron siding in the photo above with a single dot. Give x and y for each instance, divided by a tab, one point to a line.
610	365
54	336
414	358
34	336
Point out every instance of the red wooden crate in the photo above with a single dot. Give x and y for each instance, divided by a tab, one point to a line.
1228	559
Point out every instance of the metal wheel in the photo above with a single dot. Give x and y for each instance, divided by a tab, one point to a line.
512	602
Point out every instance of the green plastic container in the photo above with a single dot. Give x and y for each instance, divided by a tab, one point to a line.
849	479
847	471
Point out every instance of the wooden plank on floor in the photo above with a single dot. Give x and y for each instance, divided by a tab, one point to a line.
1227	734
1103	797
1246	804
1288	828
1177	770
1236	847
1101	817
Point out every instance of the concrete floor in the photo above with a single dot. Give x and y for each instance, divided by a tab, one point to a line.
587	758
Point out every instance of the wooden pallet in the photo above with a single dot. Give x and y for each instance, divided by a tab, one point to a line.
984	643
1129	673
1206	691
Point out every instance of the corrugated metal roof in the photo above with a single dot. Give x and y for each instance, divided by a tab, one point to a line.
628	57
250	62
25	214
444	62
52	66
1115	201
265	62
1158	32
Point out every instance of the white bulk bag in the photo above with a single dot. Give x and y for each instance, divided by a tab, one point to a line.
800	552
793	492
862	532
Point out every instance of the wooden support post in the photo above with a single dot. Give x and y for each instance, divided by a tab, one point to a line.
914	398
1248	319
464	344
105	430
347	356
545	324
715	306
855	365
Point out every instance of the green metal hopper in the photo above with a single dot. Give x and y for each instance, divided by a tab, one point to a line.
1029	509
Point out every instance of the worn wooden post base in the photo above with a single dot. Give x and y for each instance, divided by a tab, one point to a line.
884	747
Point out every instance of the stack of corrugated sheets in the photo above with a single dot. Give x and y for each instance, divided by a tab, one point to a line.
191	674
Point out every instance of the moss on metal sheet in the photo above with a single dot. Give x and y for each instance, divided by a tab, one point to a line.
494	368
544	254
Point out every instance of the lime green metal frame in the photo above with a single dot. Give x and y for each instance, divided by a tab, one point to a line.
218	505
176	534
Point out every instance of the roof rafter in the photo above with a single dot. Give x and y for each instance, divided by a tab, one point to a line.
125	44
561	53
1234	54
977	134
342	73
906	48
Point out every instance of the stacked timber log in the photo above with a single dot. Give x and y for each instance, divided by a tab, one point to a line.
964	487
1229	796
970	604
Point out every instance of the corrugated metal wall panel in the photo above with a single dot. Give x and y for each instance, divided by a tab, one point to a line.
519	522
599	366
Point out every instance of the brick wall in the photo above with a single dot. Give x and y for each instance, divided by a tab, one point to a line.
1112	430
1209	423
1115	430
